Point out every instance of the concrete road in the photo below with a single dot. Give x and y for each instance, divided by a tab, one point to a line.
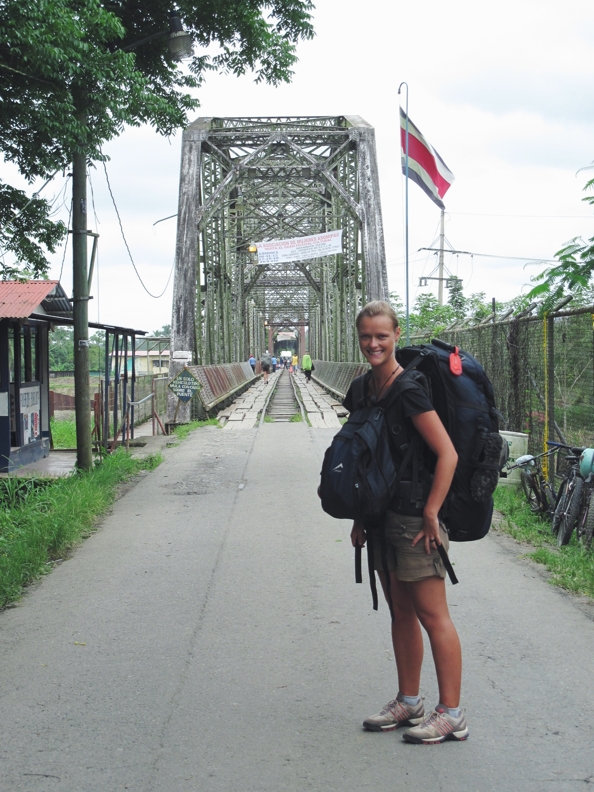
210	637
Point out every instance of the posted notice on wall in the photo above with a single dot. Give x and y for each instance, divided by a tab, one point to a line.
282	251
30	423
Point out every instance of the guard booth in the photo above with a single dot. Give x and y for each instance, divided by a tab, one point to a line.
24	368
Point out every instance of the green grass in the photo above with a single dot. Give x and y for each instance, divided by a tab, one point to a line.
572	567
297	418
183	430
268	419
42	520
63	433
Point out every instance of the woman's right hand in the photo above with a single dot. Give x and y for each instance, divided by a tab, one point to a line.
358	535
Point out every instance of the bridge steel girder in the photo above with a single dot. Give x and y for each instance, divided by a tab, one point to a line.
245	180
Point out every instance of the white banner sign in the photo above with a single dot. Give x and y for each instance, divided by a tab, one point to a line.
281	251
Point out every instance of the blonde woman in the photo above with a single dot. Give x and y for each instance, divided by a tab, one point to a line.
414	581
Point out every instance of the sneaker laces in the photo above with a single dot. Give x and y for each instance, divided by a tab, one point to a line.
439	721
396	708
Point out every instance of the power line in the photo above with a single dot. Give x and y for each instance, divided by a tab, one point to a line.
550	217
154	296
65	243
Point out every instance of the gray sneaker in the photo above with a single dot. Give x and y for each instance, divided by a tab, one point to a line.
396	713
437	728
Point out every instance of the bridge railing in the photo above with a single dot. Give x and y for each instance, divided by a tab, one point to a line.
337	377
219	383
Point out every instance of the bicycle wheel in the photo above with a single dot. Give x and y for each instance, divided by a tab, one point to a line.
530	491
560	507
572	511
589	524
549	498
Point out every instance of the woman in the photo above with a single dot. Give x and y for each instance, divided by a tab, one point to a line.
415	573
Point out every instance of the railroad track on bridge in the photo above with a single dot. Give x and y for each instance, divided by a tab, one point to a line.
283	403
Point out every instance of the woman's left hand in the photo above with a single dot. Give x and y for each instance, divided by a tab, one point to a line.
429	533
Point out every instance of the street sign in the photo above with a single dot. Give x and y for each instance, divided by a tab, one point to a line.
185	385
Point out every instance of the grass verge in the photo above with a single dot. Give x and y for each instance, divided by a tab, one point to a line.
63	433
183	430
42	520
572	567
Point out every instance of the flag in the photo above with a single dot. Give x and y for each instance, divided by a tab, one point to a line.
425	166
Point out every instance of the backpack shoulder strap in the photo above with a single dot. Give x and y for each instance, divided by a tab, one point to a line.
358	386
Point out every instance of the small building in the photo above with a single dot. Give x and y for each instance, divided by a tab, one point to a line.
24	368
151	356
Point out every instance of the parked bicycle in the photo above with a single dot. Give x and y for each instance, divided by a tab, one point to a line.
570	498
540	494
585	523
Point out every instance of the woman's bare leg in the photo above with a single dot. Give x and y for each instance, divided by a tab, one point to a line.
429	599
407	638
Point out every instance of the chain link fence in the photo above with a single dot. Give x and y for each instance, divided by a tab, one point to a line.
542	370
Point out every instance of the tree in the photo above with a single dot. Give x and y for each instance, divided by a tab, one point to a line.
456	298
164	332
573	273
61	349
67	85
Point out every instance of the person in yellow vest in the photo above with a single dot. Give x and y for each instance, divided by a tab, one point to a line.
295	363
307	366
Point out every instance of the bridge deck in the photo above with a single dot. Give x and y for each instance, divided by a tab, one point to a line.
210	637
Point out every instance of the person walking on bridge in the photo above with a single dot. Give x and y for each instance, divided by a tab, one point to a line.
295	363
414	580
266	363
307	366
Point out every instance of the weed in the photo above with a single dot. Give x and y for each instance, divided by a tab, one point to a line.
297	418
44	521
63	433
572	566
268	419
183	430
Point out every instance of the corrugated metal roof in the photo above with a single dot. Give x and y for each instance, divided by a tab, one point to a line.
19	300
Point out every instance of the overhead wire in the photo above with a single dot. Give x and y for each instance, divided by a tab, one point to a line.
154	296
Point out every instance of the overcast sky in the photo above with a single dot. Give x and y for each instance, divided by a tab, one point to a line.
504	92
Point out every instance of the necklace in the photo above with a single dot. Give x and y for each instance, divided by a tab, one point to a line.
377	395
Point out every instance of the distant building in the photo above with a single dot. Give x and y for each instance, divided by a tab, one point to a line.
151	356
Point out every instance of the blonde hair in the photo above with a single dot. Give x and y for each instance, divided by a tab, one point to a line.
377	308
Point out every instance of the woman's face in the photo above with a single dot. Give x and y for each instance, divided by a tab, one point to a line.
377	339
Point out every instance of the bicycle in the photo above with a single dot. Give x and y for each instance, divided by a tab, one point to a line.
585	526
540	494
569	503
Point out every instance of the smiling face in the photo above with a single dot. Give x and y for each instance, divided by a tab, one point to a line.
377	339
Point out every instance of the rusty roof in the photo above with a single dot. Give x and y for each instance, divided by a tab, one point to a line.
18	300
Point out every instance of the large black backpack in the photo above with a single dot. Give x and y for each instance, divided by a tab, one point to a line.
462	396
359	478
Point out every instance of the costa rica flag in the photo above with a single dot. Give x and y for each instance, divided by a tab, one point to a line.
425	166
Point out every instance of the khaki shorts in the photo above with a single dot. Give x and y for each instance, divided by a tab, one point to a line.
408	563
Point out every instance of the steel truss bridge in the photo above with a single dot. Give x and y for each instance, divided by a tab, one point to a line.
247	180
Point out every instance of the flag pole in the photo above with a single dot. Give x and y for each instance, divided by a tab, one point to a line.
407	325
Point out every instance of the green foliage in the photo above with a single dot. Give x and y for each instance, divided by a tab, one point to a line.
297	418
456	298
67	86
61	350
41	521
572	566
164	332
27	232
183	430
572	274
63	433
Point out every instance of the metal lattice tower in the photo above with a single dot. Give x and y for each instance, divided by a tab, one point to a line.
246	180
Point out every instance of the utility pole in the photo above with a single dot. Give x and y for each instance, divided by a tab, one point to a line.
441	250
80	307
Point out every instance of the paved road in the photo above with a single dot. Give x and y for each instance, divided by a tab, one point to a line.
210	637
